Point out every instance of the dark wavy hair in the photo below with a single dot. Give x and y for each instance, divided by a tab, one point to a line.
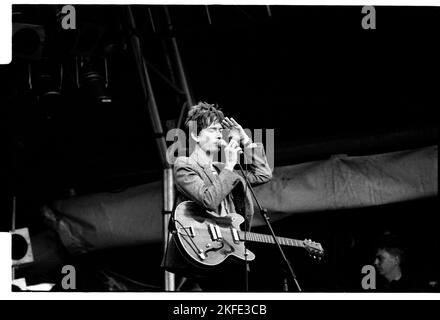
204	114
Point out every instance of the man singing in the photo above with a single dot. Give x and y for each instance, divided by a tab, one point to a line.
217	187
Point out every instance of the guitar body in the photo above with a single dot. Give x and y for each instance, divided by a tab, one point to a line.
208	240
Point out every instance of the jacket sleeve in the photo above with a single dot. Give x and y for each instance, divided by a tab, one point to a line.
258	169
191	185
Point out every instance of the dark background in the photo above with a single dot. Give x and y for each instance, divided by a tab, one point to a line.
311	73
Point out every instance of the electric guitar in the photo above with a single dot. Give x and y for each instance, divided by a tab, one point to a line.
208	241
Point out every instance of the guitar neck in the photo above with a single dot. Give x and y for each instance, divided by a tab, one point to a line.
265	238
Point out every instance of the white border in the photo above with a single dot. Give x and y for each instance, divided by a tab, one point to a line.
5	238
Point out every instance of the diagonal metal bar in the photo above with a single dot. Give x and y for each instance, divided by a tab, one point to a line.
179	62
208	14
164	78
147	88
269	12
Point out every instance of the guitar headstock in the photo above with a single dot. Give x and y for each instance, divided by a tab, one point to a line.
314	249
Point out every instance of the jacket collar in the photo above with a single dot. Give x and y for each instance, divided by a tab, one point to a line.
203	165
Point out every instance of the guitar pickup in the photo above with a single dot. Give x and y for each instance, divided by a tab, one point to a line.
235	236
215	232
212	231
218	231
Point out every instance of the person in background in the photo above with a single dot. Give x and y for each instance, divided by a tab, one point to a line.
390	265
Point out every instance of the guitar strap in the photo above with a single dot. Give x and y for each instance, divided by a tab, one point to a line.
172	222
242	201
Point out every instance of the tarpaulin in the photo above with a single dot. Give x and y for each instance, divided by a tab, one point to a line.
348	182
134	216
108	220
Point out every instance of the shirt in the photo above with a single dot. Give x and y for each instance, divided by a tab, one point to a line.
222	210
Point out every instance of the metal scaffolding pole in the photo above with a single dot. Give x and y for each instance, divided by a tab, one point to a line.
179	62
169	182
147	89
148	92
168	205
143	70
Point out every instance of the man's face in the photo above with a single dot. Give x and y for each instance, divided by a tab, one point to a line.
385	262
210	137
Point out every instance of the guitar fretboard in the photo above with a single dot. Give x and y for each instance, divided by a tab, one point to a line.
258	237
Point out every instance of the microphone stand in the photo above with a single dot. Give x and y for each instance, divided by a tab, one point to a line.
266	218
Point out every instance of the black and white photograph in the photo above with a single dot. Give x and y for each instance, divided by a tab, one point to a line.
244	148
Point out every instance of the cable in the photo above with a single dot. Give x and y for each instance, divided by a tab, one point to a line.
13	213
246	262
168	242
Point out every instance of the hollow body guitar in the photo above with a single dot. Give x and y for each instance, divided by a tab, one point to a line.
208	241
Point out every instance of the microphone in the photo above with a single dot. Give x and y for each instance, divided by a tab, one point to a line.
234	137
222	144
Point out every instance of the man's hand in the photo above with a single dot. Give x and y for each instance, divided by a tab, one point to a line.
231	153
237	133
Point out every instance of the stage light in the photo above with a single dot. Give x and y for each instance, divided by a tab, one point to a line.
94	84
46	80
48	86
92	80
21	247
27	41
